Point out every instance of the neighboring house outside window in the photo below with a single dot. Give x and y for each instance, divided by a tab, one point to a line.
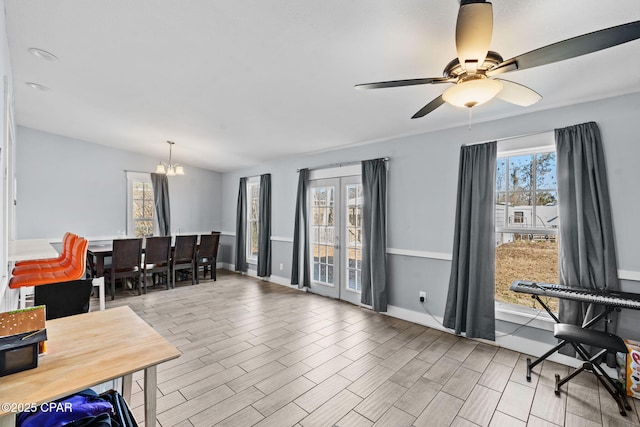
253	209
527	221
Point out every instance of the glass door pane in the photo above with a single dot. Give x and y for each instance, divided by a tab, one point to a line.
324	262
351	215
353	221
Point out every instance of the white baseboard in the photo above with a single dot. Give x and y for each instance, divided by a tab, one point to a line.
225	266
278	280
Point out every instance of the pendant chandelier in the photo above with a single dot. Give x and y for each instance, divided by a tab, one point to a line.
170	169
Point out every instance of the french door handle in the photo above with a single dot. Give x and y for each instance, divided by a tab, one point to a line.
336	243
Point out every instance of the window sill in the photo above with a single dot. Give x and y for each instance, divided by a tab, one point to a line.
519	315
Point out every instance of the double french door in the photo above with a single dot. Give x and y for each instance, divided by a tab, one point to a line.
335	231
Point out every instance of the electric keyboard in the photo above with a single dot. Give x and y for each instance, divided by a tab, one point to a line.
596	296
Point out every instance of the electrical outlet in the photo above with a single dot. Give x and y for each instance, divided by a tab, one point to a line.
281	266
423	296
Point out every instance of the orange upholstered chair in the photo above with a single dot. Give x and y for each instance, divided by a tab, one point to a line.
67	244
43	265
74	271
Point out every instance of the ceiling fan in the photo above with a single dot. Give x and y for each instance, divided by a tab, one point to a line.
473	71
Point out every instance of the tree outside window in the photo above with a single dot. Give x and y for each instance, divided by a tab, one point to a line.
143	209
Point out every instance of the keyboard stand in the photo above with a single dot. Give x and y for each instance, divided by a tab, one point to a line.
581	351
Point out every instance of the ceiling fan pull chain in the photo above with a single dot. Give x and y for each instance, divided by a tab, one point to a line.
470	115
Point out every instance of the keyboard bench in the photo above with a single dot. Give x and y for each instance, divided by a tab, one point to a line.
607	342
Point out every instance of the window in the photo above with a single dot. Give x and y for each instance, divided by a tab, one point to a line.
527	221
518	217
141	207
253	200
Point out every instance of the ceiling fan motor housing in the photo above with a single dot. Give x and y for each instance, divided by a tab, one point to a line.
454	70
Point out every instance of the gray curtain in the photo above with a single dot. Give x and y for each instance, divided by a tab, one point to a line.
374	234
160	184
587	248
241	227
470	301
264	227
300	227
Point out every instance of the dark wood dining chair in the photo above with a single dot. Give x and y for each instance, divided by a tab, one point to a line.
184	257
206	255
64	298
156	262
125	262
91	266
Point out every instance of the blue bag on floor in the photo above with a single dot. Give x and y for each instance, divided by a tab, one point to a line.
61	412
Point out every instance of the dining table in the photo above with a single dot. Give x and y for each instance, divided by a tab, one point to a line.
101	249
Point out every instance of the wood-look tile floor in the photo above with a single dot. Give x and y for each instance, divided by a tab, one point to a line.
256	353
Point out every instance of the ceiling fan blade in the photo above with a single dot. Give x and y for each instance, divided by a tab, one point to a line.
429	107
473	34
399	83
571	48
518	94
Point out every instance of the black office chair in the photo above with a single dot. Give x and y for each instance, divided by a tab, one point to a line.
64	298
184	257
125	262
206	255
157	257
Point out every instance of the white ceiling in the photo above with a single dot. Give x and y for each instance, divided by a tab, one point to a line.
237	83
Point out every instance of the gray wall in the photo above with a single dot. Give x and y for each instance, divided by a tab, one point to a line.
422	186
422	183
64	184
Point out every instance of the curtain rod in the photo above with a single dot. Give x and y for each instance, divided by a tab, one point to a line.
508	138
339	165
255	176
126	170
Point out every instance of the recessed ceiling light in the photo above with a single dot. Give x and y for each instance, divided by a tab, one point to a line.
38	86
43	54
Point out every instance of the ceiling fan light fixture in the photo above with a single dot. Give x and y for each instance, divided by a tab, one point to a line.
472	92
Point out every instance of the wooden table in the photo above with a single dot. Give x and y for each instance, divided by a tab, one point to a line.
87	350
